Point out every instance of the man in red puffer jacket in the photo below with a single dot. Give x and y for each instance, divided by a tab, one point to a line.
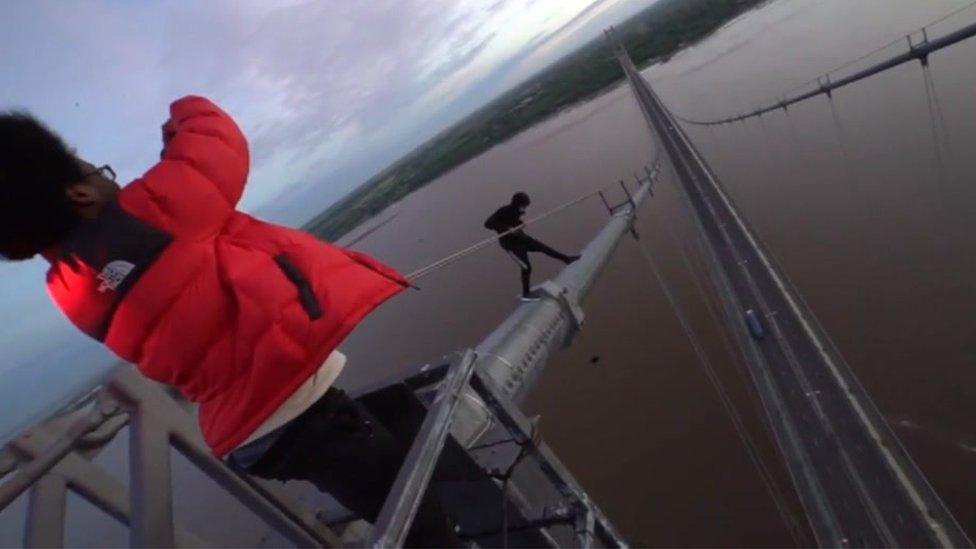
241	316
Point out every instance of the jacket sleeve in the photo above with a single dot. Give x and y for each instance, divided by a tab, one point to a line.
492	221
201	135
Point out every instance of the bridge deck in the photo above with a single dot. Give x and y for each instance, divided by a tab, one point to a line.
857	484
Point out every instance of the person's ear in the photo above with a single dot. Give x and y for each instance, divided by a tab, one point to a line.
82	194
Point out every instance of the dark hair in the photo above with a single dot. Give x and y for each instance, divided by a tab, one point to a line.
521	199
35	169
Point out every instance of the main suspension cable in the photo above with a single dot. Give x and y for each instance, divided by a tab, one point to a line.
825	85
464	252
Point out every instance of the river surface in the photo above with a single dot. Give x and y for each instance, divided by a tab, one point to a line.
865	200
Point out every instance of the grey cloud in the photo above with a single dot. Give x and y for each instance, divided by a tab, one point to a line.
544	36
497	6
460	58
330	65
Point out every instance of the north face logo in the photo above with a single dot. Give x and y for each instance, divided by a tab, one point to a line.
113	274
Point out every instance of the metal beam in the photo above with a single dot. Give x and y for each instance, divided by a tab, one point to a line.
554	470
396	517
56	456
45	514
150	482
263	497
30	472
88	480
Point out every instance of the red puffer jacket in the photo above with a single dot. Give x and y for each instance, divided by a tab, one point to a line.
234	312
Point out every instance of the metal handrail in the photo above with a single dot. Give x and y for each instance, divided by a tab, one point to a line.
28	474
56	457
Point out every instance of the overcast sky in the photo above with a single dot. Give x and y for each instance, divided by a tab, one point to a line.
328	93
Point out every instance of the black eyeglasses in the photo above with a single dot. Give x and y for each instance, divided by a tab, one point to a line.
105	171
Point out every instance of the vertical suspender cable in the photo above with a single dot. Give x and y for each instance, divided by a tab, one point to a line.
752	450
714	315
936	123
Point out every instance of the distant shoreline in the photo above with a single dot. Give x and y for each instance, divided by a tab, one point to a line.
655	34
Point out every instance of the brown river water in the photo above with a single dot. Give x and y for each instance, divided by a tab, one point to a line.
870	220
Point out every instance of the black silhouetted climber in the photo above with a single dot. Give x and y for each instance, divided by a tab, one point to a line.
517	243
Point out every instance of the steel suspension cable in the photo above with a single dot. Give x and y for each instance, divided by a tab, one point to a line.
752	450
776	492
477	246
878	49
918	50
713	314
460	254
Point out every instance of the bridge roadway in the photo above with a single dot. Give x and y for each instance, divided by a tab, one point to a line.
856	483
